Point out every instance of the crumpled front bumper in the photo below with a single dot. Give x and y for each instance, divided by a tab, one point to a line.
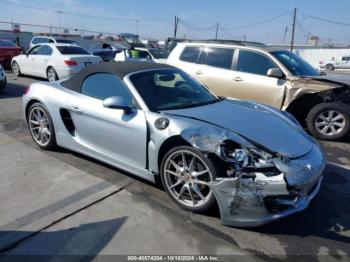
248	202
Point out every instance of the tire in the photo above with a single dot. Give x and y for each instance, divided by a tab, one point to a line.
39	120
329	121
175	182
329	67
16	69
51	74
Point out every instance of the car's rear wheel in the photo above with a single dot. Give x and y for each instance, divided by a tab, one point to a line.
329	121
41	126
329	67
185	172
51	74
15	69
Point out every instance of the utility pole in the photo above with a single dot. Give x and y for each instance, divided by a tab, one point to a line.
284	35
217	31
176	24
293	29
244	37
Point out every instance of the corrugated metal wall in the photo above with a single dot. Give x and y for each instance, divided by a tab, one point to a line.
314	55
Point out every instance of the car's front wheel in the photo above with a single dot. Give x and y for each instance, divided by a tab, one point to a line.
41	126
185	172
329	121
329	67
15	69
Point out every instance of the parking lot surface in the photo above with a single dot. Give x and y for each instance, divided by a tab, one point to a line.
60	202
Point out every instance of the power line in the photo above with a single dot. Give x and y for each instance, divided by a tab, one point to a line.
324	20
83	15
196	27
259	23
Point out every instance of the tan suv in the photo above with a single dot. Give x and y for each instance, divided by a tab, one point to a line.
272	76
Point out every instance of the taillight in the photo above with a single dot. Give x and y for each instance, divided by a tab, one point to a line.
26	90
70	62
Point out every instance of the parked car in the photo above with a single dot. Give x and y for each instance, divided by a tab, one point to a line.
343	63
50	40
53	61
153	120
134	54
271	76
106	51
7	51
142	54
3	80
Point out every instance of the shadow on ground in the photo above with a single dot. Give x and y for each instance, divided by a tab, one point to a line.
12	91
86	239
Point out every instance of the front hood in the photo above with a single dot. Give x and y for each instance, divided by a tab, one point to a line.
336	79
259	124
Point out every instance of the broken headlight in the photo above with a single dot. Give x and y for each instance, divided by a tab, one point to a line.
244	159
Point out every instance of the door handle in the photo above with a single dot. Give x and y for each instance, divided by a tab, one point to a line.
238	79
76	109
199	72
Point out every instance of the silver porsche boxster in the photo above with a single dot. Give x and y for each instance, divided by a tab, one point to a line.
150	119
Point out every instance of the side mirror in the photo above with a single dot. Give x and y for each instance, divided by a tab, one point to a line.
275	72
117	102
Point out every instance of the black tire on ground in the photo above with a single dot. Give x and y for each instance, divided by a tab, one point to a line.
51	74
16	69
52	140
323	109
329	67
212	169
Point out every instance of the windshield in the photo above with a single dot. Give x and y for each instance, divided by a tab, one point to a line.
296	65
158	53
72	50
5	43
167	89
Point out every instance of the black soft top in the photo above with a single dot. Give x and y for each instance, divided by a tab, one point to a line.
120	69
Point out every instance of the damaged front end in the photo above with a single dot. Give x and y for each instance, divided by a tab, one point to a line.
258	186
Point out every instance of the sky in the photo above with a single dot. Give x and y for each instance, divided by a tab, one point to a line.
238	19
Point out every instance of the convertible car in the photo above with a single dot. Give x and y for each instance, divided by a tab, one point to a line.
153	120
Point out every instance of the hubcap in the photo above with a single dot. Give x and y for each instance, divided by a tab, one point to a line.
186	176
39	126
15	68
330	122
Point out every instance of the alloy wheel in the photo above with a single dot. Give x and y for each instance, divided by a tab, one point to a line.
39	126
186	176
330	122
15	68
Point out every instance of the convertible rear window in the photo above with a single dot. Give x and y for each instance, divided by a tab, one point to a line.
72	50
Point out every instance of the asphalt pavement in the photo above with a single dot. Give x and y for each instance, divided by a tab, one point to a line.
60	202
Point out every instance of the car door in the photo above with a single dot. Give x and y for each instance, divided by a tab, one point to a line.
27	62
42	59
110	133
250	80
214	69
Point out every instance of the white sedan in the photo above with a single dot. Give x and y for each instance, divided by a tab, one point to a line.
53	61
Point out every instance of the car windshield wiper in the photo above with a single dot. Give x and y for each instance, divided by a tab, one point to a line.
197	104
